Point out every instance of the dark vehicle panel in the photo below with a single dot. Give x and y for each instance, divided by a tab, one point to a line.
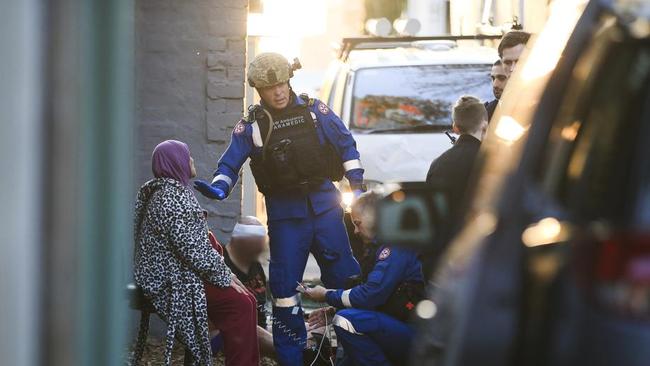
553	266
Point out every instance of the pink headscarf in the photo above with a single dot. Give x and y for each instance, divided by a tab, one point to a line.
171	159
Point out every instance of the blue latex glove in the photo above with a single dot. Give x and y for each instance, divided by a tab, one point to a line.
214	190
357	193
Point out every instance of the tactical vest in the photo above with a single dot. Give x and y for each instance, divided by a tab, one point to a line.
292	156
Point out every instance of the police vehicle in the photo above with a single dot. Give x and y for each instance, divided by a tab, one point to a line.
396	95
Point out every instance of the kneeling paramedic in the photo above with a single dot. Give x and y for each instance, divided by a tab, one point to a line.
371	317
297	147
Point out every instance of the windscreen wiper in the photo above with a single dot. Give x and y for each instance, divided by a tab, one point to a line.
417	128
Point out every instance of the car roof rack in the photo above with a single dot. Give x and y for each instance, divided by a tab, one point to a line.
351	43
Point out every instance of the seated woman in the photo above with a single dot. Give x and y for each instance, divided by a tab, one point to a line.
173	256
371	317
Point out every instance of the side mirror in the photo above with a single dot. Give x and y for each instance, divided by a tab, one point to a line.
415	216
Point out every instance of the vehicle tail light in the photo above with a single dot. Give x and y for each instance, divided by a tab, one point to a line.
620	279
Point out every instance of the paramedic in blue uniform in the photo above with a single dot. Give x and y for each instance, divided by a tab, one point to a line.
297	147
371	320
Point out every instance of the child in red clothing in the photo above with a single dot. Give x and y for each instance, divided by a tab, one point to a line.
234	313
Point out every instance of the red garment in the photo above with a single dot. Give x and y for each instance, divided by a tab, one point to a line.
235	315
215	244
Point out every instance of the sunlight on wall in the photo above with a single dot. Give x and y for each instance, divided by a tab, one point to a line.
284	23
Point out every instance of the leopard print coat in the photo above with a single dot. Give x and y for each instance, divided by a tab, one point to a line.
172	256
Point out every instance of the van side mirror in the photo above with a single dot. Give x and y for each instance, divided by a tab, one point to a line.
414	216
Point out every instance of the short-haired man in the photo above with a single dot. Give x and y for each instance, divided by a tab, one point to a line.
511	47
451	171
499	81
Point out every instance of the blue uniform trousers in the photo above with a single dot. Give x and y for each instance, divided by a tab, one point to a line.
291	241
372	338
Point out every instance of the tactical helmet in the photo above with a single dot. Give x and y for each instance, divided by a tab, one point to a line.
269	69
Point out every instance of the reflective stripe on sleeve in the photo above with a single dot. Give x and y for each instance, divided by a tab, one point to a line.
345	298
224	178
352	164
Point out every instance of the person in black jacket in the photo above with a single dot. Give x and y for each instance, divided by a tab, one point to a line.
452	170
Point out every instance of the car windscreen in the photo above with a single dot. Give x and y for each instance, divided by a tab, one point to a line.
414	98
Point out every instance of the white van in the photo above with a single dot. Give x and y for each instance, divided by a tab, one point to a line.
396	96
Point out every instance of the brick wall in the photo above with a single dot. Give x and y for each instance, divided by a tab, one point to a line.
190	67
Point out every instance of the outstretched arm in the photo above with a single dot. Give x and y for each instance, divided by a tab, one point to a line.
230	163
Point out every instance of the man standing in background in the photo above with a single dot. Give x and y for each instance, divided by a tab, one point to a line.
452	170
499	81
510	49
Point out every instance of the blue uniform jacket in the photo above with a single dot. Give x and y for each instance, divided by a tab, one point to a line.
246	141
394	265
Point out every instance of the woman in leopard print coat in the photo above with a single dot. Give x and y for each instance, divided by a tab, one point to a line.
173	254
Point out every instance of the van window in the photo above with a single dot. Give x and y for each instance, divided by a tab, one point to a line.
411	98
332	93
336	98
335	82
329	82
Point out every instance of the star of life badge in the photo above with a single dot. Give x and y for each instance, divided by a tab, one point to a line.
384	254
239	128
322	107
